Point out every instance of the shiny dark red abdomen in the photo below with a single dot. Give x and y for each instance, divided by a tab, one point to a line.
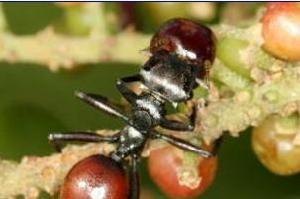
95	177
191	36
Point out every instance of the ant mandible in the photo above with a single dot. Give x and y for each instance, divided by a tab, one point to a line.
181	53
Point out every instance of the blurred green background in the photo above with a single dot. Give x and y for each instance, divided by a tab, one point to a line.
35	101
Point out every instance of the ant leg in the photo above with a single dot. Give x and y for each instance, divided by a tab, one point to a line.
217	145
101	103
182	144
176	125
82	136
134	189
129	95
193	116
180	126
132	78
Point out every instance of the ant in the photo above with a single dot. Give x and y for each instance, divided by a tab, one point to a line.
181	52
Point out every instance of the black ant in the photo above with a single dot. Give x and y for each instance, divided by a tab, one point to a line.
182	51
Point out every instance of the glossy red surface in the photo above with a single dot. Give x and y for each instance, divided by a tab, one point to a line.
193	41
95	177
164	164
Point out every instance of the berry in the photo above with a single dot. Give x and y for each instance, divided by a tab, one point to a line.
229	52
190	40
96	176
161	12
281	30
163	165
276	144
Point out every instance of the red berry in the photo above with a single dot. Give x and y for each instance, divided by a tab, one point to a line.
94	177
163	165
189	39
281	30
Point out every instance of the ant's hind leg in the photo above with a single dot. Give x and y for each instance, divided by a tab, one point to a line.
134	189
182	144
83	136
216	145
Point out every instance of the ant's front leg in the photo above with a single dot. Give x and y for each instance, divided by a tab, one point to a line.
180	126
128	94
176	125
134	189
217	143
83	136
101	103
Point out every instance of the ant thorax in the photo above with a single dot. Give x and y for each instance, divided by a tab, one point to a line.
165	87
169	75
148	110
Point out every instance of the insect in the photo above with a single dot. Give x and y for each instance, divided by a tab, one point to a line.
181	53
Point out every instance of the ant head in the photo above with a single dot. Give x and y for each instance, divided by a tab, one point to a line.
170	76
